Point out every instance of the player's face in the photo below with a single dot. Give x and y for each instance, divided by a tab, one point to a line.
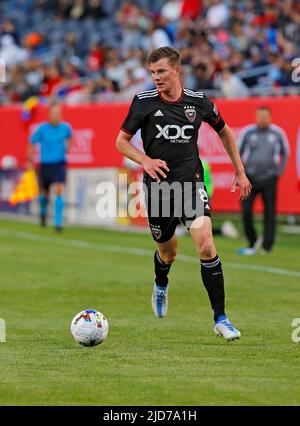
55	114
263	118
164	75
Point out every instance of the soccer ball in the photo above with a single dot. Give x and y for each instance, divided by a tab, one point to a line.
89	327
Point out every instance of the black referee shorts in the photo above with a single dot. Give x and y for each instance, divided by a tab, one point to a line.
165	213
52	173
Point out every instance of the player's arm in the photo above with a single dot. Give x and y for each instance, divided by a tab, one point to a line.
68	143
241	180
68	139
154	167
30	153
213	117
34	139
284	152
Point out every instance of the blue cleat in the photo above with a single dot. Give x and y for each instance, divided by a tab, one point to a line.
160	300
226	329
250	251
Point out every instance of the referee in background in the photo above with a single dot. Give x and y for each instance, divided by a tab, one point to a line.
54	138
264	150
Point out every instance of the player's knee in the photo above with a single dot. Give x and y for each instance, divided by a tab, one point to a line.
169	257
59	190
207	249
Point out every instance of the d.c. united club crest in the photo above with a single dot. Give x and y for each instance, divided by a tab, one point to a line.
155	231
190	113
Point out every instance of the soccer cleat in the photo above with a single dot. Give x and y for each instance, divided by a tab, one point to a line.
160	300
225	328
264	251
258	243
229	230
43	221
250	251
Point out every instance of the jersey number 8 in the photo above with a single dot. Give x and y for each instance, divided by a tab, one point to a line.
203	195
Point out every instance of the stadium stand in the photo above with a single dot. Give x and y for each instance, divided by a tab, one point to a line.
87	51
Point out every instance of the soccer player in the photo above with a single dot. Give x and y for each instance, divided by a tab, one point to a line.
54	138
170	117
264	150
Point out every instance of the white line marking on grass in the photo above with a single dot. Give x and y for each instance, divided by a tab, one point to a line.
131	250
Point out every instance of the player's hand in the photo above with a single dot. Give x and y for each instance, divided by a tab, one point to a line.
155	168
245	186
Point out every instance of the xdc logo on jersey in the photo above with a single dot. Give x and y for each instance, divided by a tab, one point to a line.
172	131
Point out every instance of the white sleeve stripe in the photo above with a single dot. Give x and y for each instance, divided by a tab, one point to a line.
283	137
243	133
193	91
193	95
147	92
148	96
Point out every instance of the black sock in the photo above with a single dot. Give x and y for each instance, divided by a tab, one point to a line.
213	280
161	271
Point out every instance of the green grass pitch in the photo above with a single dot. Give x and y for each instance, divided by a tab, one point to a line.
47	278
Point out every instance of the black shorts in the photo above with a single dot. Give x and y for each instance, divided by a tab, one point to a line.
165	214
52	173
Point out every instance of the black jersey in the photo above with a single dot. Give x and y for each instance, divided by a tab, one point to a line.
169	130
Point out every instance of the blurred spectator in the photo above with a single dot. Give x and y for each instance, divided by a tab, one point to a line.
231	48
70	47
52	78
191	9
202	80
172	10
232	86
62	8
217	14
115	71
157	36
95	9
78	9
82	95
8	28
10	52
95	58
264	150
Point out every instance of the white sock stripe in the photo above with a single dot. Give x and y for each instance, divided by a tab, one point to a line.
211	264
161	261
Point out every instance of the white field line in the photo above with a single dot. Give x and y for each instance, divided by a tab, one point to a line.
131	250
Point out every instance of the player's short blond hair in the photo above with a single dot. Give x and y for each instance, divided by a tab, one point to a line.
165	52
